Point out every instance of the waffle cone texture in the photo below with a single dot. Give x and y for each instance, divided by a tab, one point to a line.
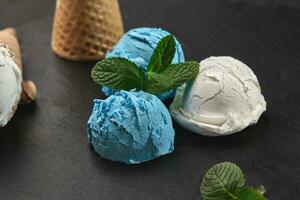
84	30
8	39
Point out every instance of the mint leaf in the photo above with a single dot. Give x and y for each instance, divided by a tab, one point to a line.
118	73
163	54
157	83
247	193
225	181
174	76
180	73
222	182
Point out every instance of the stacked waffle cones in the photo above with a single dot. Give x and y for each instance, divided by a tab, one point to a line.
83	30
8	39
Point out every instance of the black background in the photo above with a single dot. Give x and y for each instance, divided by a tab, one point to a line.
44	153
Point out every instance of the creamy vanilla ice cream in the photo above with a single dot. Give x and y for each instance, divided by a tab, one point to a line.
10	86
225	98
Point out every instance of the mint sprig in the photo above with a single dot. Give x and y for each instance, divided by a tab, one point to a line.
163	55
172	77
118	73
161	76
225	181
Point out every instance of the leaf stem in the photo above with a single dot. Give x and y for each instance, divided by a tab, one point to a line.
232	195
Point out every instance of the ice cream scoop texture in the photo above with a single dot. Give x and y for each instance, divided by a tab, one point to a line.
10	85
137	45
131	127
225	98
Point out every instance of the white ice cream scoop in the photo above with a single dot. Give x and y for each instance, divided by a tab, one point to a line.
225	98
12	87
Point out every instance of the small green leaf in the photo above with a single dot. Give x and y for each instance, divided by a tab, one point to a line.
162	55
118	73
222	182
181	73
157	83
174	76
247	193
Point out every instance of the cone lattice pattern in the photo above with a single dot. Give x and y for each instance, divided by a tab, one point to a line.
84	30
8	38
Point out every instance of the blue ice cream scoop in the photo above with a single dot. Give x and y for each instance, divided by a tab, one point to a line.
131	127
137	45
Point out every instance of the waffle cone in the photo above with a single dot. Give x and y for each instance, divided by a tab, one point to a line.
85	30
8	38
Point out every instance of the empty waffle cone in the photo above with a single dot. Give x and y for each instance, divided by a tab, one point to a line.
84	30
8	39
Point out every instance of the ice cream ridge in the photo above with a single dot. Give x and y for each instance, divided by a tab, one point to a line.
137	45
131	127
225	98
13	90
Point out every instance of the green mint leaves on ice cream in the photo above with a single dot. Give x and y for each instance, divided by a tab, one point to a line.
225	181
118	73
163	55
137	45
122	74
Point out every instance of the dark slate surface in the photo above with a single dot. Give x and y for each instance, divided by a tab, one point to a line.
44	153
